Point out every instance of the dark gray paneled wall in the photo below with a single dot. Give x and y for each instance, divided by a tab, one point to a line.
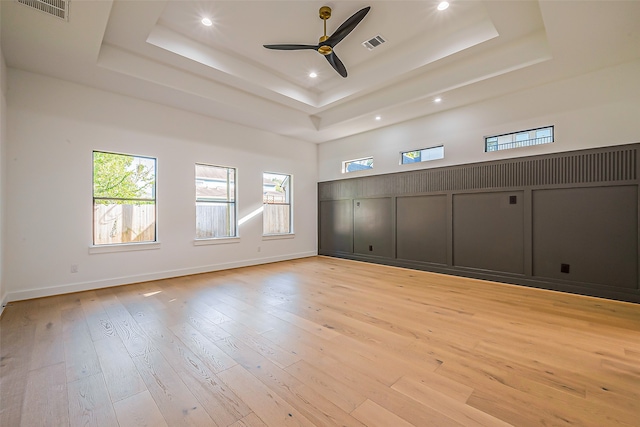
337	216
488	231
566	221
594	231
582	167
373	227
421	235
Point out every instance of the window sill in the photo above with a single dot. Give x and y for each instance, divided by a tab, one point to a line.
278	236
216	241
123	247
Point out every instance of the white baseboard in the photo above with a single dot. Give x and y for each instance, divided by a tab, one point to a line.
127	280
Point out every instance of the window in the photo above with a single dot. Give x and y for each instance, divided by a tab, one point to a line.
424	155
215	202
357	165
124	198
518	139
276	199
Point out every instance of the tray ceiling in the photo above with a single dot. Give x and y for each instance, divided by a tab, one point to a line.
474	50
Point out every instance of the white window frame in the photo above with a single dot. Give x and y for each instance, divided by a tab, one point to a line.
198	241
290	233
124	246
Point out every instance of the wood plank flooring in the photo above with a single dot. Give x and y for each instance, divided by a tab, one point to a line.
320	342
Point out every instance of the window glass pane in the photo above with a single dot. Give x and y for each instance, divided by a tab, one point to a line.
124	189
424	155
123	176
411	157
434	153
519	139
357	165
215	220
505	139
276	219
121	222
543	133
276	197
215	183
215	202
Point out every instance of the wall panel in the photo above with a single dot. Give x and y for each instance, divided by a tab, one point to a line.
372	227
421	227
336	225
565	221
587	235
488	231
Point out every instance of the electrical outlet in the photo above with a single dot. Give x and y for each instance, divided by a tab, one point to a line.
74	268
259	248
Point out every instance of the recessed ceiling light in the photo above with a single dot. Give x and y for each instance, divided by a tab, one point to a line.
378	118
443	5
207	22
313	75
436	100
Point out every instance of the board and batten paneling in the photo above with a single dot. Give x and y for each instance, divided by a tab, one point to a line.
566	221
592	231
488	231
338	217
422	233
373	227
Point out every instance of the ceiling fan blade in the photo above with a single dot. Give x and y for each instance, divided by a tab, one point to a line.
291	46
336	64
346	27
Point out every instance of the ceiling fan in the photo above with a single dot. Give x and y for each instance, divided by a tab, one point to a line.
327	43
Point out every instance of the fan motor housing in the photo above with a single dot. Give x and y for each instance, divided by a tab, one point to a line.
325	12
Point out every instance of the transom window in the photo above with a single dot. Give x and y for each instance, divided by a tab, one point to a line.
276	198
215	202
524	138
124	198
357	165
424	155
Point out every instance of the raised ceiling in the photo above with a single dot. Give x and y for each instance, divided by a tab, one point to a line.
474	50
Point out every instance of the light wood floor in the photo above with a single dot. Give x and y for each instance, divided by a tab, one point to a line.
320	342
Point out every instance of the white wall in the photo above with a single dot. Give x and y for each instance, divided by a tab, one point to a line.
3	139
53	127
592	110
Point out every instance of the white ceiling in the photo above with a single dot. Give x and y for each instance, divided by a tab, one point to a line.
474	50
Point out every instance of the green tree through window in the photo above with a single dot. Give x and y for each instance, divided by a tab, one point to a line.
116	176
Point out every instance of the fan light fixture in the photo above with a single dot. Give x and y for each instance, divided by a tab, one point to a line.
443	5
327	43
207	22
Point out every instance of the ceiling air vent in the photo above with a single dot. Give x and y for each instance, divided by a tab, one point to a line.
374	42
57	8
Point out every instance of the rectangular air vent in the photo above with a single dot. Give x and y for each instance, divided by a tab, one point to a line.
57	8
374	42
